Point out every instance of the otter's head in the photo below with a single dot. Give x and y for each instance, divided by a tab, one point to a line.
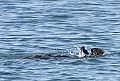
97	52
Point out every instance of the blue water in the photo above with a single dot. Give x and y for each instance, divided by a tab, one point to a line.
34	27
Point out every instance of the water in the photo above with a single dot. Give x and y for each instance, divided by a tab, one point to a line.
33	27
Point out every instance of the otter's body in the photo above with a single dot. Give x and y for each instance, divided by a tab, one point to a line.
95	52
48	56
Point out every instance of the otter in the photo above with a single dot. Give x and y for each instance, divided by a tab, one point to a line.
95	52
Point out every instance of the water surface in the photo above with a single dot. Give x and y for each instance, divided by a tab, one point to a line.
32	27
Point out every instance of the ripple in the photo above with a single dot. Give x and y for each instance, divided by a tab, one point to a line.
5	73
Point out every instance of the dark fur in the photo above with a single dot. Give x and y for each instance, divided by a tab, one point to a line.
94	52
97	52
48	56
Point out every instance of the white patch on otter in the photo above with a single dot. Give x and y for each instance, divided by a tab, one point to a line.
81	54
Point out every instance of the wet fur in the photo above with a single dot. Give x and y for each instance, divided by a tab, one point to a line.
95	52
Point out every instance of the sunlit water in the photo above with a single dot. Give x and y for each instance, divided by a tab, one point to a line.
33	27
